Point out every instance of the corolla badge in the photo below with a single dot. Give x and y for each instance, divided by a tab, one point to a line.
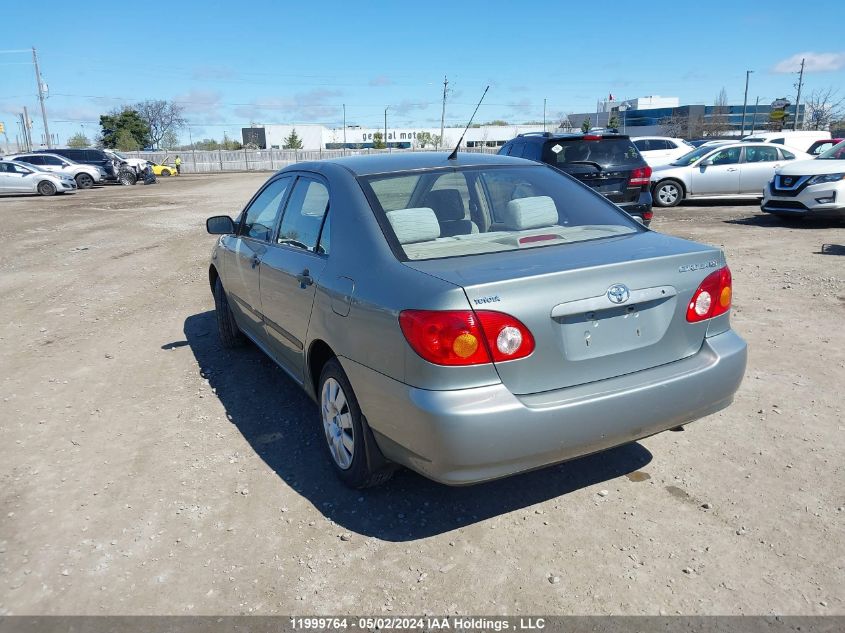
618	293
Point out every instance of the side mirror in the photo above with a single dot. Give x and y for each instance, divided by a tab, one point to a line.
706	163
220	225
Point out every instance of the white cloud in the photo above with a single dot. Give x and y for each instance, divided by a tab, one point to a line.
814	63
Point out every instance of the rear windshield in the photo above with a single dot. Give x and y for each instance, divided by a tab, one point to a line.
474	210
604	151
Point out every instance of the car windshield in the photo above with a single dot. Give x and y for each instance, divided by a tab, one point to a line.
690	157
119	155
601	151
474	210
837	152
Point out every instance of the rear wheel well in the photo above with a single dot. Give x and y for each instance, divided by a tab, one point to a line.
318	355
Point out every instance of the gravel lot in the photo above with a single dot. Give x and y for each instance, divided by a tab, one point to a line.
147	471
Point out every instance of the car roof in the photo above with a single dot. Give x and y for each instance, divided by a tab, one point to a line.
567	136
366	165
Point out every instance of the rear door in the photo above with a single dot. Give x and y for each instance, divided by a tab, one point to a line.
720	176
757	168
242	255
291	268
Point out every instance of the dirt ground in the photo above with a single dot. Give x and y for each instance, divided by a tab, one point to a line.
145	470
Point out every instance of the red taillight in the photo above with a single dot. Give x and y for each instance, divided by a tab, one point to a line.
464	337
592	137
648	215
712	298
640	176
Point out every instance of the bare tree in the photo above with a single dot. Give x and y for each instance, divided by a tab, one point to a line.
718	123
680	125
162	117
823	106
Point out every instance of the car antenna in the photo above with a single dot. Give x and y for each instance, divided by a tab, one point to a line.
454	154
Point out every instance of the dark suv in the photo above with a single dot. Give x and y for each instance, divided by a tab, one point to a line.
608	163
96	157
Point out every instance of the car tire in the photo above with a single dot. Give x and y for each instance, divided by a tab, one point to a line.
668	193
348	440
165	172
47	188
126	177
229	332
84	181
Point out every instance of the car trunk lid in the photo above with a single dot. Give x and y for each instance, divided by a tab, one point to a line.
596	309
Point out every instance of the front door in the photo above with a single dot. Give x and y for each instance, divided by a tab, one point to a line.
244	253
291	269
757	168
721	176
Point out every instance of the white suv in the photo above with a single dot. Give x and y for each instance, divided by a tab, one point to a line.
809	188
661	150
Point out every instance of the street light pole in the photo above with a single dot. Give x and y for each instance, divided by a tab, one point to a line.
745	102
385	125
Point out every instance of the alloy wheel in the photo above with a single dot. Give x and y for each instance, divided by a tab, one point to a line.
337	423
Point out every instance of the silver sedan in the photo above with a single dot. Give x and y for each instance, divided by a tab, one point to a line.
732	170
18	177
472	318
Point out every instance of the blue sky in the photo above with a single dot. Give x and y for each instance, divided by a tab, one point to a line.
231	64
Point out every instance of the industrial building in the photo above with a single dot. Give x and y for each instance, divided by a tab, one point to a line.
315	137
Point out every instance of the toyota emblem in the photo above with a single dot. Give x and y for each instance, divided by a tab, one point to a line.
618	293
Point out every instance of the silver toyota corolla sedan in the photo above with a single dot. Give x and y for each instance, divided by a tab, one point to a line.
472	318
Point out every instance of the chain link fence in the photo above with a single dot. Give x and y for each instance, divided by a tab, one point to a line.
210	161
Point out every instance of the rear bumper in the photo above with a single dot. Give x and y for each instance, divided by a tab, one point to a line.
472	435
642	207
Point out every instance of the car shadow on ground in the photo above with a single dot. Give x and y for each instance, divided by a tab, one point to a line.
719	202
768	220
281	424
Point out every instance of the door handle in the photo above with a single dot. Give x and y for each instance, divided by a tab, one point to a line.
255	261
731	169
304	279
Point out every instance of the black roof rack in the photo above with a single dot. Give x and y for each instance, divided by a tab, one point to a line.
535	134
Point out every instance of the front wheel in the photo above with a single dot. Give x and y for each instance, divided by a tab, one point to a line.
46	188
668	193
344	430
84	181
165	172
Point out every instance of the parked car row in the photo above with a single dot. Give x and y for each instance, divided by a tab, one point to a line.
65	170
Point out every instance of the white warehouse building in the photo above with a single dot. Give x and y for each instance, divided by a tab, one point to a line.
315	137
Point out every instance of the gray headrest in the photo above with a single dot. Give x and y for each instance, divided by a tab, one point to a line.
530	213
414	225
447	204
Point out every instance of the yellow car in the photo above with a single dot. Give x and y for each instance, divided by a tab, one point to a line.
164	170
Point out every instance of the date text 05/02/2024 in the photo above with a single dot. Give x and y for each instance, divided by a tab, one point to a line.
428	623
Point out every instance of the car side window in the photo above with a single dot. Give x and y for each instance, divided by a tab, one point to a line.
304	213
728	156
325	245
33	160
642	144
761	154
7	168
52	160
20	169
259	219
787	155
779	141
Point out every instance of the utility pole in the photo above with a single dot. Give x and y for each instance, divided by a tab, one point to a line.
443	111
745	102
344	129
27	129
798	99
754	118
41	99
385	125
